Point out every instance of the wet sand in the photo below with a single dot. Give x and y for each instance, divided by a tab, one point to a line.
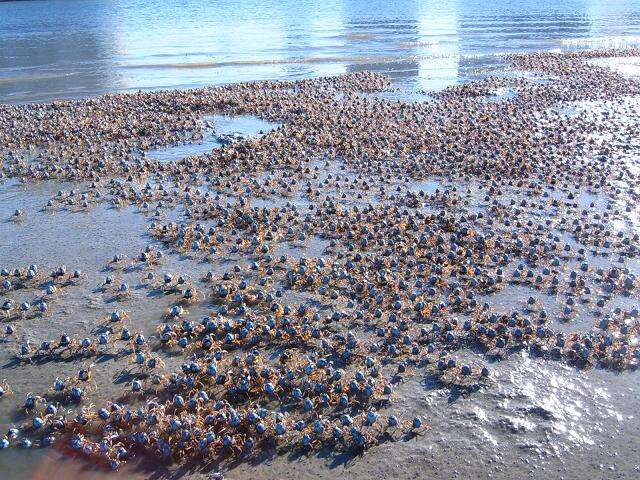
445	226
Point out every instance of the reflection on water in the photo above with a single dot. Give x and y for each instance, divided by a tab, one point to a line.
63	48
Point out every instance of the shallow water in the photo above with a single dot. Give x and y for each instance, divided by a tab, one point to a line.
221	130
65	48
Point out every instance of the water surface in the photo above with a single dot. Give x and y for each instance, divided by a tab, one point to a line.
63	48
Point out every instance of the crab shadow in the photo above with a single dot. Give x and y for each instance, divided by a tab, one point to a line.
335	459
153	469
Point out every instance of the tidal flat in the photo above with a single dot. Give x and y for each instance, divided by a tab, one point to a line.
319	278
